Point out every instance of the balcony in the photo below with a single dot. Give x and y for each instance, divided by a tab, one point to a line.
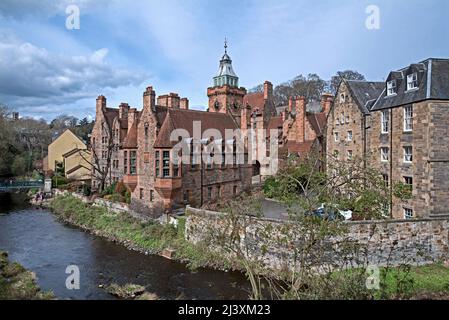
167	188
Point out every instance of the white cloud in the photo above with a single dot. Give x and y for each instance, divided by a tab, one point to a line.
32	77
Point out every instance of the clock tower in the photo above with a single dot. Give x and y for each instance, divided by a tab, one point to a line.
226	96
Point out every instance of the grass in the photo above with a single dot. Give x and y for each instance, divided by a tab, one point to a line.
418	281
17	283
150	237
397	283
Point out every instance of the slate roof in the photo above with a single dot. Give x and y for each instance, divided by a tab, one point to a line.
317	121
433	84
299	147
255	101
130	141
365	93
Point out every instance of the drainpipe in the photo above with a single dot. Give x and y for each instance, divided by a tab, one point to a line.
201	168
391	163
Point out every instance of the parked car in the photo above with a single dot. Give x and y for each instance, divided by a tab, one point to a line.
331	213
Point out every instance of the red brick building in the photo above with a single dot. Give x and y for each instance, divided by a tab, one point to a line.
151	146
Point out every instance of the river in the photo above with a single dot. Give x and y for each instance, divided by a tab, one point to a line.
37	240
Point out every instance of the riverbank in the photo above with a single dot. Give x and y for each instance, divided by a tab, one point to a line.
145	237
17	283
424	282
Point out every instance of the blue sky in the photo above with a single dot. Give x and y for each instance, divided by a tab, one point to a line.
175	45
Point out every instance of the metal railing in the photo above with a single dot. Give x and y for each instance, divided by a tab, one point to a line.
21	185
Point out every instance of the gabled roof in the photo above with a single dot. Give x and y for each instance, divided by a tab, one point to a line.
70	132
364	92
130	141
110	114
183	119
433	84
317	121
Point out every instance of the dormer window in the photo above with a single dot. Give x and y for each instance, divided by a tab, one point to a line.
391	88
412	81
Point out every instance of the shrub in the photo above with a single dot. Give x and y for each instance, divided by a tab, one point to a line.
120	188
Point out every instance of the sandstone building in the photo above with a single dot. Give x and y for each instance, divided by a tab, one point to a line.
401	128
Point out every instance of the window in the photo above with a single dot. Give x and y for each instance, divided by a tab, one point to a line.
175	165
385	121
234	191
209	192
408	213
151	195
336	136
391	87
412	81
350	135
408	118
349	155
336	154
141	194
409	182
386	179
186	196
384	154
209	160
218	191
166	164
125	163
157	163
146	130
347	119
342	98
342	118
193	157
223	158
408	154
132	162
175	170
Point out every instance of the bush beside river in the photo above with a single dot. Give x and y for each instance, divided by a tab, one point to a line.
17	283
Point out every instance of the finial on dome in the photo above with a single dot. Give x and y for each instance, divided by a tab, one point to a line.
226	45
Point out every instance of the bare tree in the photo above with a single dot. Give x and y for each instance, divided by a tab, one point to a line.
313	249
100	164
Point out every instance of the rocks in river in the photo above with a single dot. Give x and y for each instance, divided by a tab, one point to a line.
130	291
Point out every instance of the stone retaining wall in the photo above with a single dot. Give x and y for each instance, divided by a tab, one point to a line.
117	207
392	242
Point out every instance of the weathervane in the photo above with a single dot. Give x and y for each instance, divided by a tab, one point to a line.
226	45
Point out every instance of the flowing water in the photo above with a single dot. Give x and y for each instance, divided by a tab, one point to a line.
37	240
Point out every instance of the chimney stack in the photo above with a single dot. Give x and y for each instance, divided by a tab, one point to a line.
123	110
300	106
101	104
149	97
267	90
184	104
170	100
290	104
327	100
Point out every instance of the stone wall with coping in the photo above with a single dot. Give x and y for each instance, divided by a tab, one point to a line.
392	242
116	207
